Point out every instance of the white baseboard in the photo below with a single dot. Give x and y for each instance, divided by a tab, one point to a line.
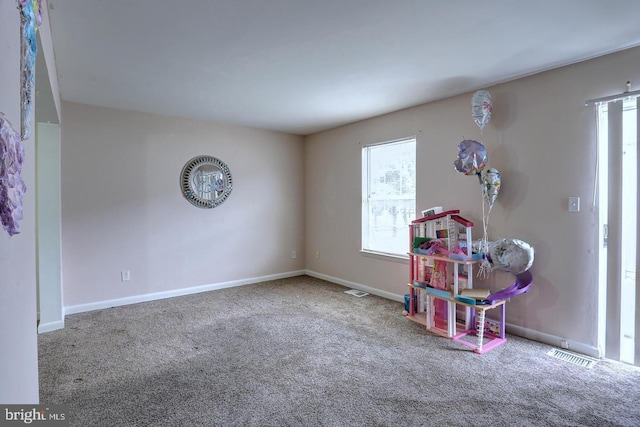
575	346
542	337
50	326
80	308
553	340
358	286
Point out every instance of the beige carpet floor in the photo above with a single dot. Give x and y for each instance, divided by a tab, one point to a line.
301	352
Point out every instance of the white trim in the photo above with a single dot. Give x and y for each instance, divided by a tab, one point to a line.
354	285
614	98
575	346
80	308
392	141
385	256
50	326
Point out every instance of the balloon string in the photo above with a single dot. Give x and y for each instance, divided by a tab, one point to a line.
484	267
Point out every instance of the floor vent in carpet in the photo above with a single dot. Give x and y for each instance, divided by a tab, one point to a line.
356	293
576	359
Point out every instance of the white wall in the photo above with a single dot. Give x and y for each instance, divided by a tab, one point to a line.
542	140
122	208
49	264
18	348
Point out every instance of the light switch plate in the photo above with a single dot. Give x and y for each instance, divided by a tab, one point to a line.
574	204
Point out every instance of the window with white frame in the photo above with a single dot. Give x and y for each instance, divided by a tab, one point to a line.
388	196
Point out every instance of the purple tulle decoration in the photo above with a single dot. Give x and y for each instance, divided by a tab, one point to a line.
12	187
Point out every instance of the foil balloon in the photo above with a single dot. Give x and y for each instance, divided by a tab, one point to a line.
481	108
490	186
512	255
472	157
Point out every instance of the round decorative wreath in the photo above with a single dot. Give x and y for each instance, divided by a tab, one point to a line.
206	181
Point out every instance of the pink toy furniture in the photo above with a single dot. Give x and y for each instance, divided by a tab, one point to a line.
441	265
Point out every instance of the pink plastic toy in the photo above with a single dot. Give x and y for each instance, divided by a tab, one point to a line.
520	286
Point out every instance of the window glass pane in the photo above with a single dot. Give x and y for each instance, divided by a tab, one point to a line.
629	233
389	199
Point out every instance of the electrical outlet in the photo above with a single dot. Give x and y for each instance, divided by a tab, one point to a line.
317	254
564	344
125	275
293	254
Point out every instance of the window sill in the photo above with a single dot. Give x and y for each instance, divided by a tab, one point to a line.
404	259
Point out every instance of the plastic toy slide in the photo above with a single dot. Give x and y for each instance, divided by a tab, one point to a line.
522	285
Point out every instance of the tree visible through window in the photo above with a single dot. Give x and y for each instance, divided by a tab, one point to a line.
388	195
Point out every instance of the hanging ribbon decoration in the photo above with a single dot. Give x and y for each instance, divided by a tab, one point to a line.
30	18
12	156
12	187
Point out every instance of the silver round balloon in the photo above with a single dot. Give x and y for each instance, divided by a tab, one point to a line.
512	255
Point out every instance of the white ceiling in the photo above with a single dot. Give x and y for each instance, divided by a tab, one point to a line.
301	66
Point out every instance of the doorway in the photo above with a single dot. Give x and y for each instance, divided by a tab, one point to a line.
619	327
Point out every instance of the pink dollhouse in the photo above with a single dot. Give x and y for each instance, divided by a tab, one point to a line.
441	294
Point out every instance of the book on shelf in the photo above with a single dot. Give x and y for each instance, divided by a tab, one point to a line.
420	284
438	292
476	293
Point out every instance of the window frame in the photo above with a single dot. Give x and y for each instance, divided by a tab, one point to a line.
365	247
